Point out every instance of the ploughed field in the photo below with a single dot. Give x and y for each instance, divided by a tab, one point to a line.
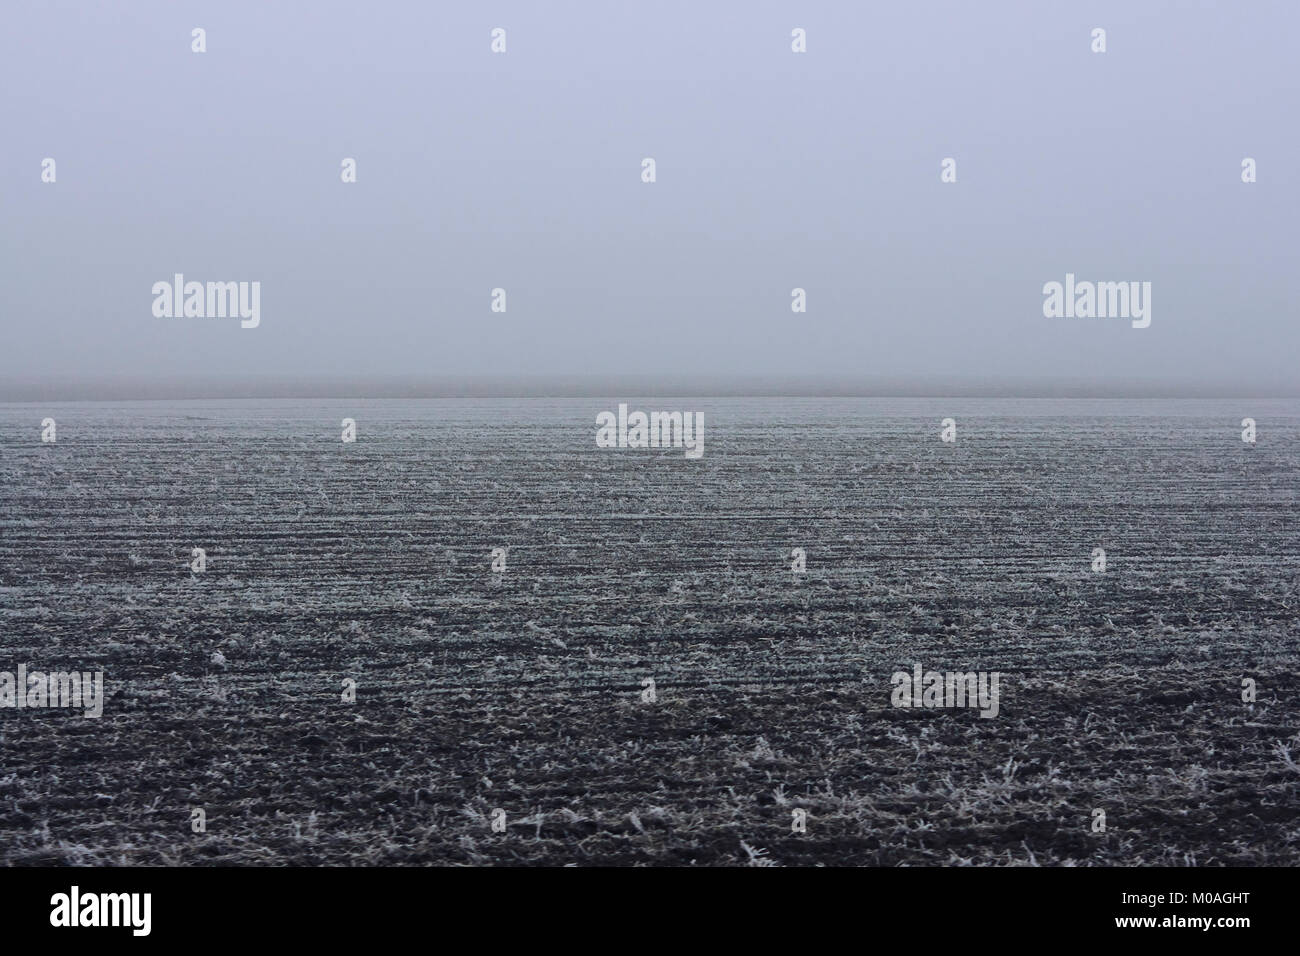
1120	691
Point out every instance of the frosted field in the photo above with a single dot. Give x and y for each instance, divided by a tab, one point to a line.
370	561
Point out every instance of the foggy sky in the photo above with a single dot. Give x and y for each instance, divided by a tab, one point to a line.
522	171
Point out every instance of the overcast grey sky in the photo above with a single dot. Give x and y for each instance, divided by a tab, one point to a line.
775	170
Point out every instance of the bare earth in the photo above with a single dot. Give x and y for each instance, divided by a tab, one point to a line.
1121	691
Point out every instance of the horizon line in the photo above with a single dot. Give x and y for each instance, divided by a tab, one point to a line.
640	386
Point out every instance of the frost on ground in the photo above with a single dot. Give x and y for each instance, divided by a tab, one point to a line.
326	561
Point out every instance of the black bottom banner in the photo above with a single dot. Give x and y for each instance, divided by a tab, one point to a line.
335	906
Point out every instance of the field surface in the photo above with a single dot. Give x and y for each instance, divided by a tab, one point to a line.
522	691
